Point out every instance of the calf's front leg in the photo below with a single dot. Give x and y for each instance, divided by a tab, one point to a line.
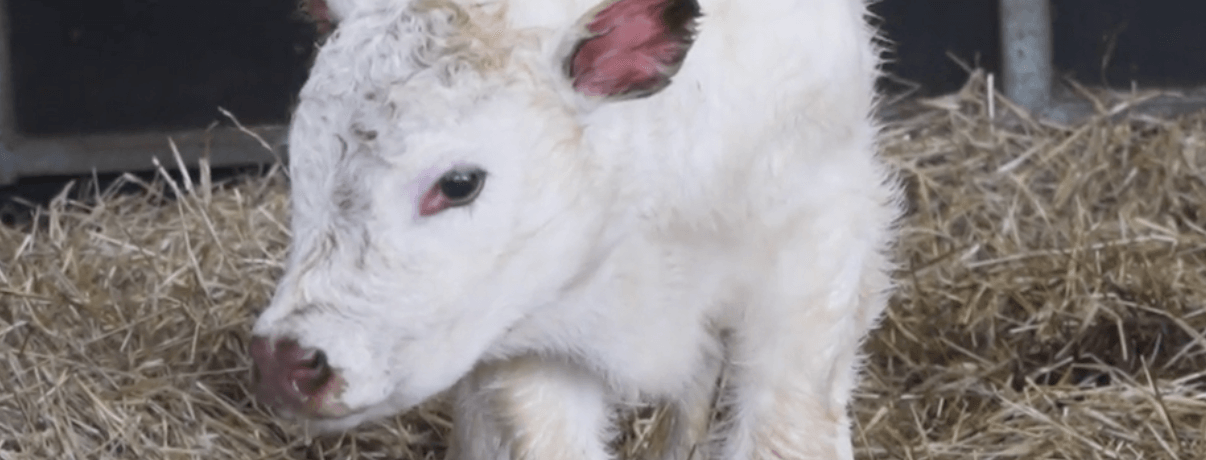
530	409
795	358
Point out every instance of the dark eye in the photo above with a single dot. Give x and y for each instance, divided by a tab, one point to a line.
461	186
457	187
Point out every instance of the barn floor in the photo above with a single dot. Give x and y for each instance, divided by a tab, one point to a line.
1052	305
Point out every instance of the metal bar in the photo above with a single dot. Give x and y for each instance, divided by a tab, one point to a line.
1027	57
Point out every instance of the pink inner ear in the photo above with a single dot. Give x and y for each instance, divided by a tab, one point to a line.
320	13
634	48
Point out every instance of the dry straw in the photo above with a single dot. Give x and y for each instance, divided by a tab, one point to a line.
1050	306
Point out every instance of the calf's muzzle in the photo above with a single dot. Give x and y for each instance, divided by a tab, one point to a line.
294	379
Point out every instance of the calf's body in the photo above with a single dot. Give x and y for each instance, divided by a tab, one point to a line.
556	207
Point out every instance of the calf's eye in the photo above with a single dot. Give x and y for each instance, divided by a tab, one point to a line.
457	187
462	186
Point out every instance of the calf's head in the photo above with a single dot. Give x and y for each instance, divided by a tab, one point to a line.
443	191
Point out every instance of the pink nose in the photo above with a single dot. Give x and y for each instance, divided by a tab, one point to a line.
287	376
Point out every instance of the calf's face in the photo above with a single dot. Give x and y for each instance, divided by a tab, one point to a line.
442	192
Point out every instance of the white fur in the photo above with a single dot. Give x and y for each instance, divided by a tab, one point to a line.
619	251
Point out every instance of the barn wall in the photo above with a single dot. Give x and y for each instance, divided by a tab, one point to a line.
1156	43
130	65
84	67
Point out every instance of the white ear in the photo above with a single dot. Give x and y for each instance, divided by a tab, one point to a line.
630	48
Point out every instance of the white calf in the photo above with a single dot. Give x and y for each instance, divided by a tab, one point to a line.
558	206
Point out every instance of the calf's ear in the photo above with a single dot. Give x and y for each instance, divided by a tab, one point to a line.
326	14
319	13
628	49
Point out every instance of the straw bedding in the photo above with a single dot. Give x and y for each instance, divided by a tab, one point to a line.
1050	305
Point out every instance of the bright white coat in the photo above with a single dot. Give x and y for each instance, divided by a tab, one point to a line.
619	251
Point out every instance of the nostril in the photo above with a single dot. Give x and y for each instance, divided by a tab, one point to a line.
313	374
287	374
318	361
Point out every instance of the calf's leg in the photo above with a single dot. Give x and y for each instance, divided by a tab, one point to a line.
687	430
530	409
794	359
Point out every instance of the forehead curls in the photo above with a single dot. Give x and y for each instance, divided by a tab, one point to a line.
443	35
393	42
474	36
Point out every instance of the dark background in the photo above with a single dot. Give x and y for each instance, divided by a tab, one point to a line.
1157	43
135	65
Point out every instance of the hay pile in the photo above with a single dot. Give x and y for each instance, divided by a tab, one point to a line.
1050	306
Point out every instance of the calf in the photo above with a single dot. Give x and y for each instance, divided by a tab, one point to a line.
555	207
